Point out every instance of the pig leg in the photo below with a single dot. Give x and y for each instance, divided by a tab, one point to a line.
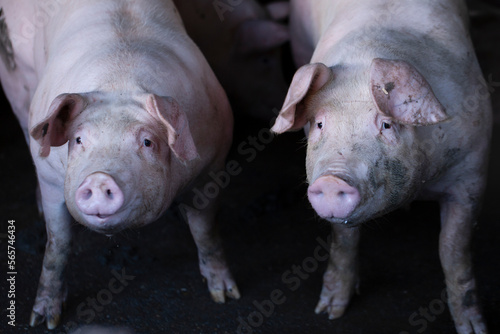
212	261
457	219
51	287
341	276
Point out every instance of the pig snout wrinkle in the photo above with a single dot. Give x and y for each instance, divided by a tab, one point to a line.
99	195
332	197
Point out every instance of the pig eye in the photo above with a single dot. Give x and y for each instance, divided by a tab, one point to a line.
319	125
148	143
79	140
386	125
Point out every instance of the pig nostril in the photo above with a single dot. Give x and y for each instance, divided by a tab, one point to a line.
316	192
99	196
87	194
333	197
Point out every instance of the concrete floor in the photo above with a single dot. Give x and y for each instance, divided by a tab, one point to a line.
268	227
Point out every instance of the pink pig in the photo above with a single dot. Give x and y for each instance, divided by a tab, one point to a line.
396	108
119	107
241	41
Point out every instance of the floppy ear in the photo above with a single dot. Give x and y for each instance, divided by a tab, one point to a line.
401	92
260	35
307	80
169	114
52	131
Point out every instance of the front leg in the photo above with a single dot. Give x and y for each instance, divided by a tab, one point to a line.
457	219
341	276
52	288
212	260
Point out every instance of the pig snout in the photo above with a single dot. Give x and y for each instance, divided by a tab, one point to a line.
332	197
99	195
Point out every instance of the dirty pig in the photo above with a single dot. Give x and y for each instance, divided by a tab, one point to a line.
119	108
395	108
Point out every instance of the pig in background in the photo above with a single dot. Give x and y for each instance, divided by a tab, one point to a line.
241	41
385	95
118	106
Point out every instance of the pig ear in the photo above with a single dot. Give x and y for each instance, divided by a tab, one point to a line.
308	80
278	10
52	131
168	113
260	35
401	92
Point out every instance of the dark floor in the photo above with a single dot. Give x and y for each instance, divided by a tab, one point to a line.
267	227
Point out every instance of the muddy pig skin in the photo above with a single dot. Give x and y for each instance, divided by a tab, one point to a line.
241	41
119	108
395	107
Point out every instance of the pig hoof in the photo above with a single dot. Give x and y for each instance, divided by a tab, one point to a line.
471	322
334	298
52	321
46	310
230	290
466	312
36	319
219	279
222	285
218	296
336	293
334	310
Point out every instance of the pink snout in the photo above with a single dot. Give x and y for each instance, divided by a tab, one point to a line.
332	197
99	195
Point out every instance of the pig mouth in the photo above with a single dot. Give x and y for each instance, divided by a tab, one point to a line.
342	221
104	224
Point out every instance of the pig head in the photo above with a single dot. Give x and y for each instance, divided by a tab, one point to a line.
360	127
120	155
